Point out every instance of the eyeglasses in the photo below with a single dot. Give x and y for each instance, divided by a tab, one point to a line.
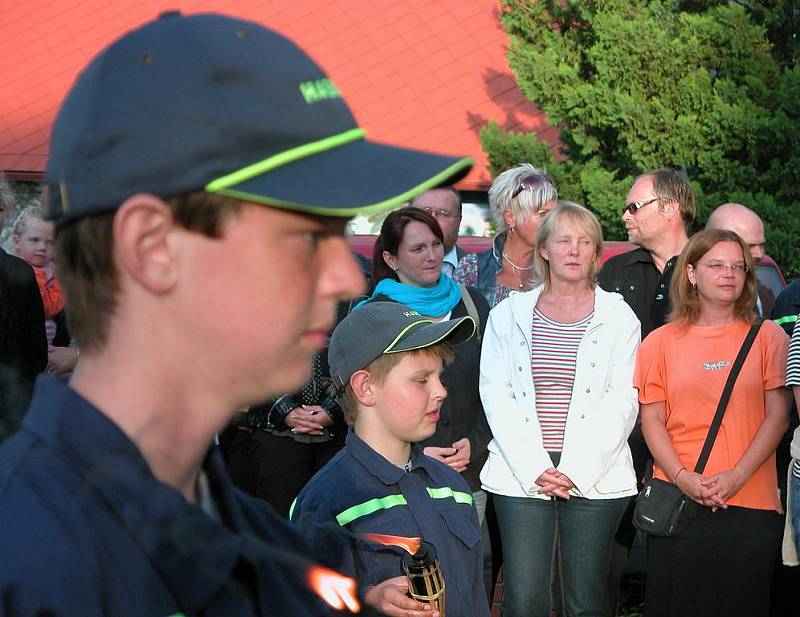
439	213
717	267
633	207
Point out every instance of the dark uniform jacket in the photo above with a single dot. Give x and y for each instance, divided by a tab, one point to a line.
86	529
361	492
462	412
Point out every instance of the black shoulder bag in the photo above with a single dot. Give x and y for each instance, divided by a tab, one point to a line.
661	507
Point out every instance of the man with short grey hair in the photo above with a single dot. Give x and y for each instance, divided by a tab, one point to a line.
750	228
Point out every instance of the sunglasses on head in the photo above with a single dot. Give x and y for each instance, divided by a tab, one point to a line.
528	182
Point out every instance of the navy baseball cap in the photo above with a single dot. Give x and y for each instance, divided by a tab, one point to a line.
214	103
378	328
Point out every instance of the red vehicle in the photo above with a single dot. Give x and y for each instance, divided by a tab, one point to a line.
768	273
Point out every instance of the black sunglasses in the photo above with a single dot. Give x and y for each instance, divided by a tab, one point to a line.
635	206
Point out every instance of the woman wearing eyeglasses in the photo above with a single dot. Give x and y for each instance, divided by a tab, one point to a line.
518	199
721	564
557	387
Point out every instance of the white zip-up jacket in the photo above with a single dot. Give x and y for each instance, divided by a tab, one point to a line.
602	411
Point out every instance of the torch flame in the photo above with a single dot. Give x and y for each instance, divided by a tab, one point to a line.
410	544
337	590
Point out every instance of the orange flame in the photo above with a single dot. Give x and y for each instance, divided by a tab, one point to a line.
410	544
337	590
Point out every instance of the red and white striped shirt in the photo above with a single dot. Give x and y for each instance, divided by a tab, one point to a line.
554	350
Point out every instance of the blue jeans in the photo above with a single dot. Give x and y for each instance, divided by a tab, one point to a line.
585	530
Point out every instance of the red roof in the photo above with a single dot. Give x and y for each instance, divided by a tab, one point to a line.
421	73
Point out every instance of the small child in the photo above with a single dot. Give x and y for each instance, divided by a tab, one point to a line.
389	359
32	239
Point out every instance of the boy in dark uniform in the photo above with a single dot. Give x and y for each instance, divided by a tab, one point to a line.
389	360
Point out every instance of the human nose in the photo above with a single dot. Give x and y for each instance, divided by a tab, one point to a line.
341	277
439	392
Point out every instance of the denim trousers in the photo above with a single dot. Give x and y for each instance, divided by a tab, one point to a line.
580	530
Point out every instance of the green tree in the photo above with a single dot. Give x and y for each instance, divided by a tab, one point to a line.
635	85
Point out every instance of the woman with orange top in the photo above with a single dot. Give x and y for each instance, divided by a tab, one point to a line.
721	564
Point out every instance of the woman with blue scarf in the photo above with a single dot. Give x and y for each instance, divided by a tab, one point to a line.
407	268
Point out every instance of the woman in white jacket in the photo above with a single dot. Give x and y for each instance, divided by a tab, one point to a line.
557	387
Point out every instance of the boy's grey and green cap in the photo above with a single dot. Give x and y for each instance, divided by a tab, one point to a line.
379	328
208	102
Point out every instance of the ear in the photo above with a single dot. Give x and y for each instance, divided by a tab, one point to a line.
691	274
390	260
363	388
543	253
15	240
142	227
670	208
508	218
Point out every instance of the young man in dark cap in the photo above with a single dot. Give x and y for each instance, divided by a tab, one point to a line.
201	173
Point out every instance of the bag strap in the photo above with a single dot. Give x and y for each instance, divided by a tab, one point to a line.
726	395
472	311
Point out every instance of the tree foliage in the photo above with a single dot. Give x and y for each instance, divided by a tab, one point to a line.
635	85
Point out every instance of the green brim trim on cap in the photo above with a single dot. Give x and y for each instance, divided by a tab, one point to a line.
283	158
391	349
404	331
350	211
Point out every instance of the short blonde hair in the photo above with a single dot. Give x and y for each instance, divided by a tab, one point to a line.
34	212
526	202
683	295
585	220
380	368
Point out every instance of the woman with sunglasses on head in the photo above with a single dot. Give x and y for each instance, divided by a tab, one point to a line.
407	268
518	199
721	564
557	387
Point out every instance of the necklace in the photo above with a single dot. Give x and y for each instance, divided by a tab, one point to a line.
519	270
515	266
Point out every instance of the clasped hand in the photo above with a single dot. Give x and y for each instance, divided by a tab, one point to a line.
308	419
712	491
553	483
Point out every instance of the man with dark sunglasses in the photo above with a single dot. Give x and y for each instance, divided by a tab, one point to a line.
658	213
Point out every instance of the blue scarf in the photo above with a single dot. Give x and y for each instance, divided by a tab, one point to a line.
429	301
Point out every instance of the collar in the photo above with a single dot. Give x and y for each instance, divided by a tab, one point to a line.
377	466
498	244
452	257
175	534
638	255
641	255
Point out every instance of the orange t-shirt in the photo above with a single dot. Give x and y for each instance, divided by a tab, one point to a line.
687	369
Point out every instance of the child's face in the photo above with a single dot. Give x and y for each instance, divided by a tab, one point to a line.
409	400
35	243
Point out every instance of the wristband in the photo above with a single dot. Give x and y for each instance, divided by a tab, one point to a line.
675	480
